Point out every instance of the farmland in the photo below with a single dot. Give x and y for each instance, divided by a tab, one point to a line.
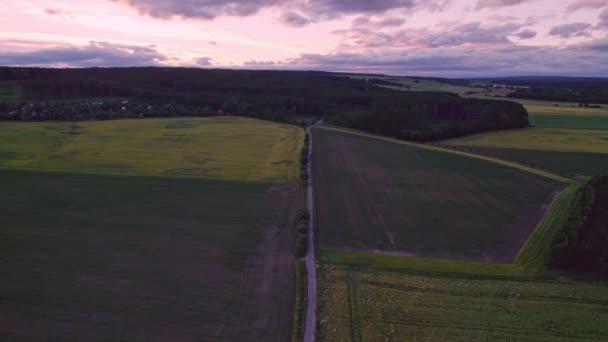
374	194
137	251
224	148
569	164
367	303
540	138
568	117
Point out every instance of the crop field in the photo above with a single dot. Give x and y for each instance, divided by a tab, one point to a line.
374	194
359	303
114	258
568	117
569	164
540	138
223	148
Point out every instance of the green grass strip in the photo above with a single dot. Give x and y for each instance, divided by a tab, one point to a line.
299	319
536	252
426	266
465	154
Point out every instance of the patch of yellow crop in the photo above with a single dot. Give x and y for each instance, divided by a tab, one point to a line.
575	111
541	138
219	147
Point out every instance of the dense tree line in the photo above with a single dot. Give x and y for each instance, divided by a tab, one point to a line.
583	243
568	89
430	116
273	95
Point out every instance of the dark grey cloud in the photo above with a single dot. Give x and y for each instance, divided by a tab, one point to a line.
295	19
204	9
204	61
498	3
95	54
296	12
603	20
508	60
571	30
525	34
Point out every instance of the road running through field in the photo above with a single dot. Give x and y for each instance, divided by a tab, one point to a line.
311	310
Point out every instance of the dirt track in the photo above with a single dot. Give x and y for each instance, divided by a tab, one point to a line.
311	311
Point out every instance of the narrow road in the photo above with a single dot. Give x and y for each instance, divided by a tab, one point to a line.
311	310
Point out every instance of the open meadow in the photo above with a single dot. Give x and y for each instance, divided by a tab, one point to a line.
374	194
94	256
219	147
371	302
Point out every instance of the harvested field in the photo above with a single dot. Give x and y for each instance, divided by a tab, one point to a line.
564	163
373	194
370	304
110	258
218	147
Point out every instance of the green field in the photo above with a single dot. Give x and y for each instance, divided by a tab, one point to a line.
361	302
568	117
109	253
224	148
540	138
569	164
144	258
374	194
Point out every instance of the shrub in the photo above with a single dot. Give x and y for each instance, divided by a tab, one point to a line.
303	215
301	246
302	229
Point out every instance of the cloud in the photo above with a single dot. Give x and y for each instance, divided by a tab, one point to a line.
603	20
364	21
571	30
52	11
95	54
508	60
525	34
295	19
498	3
446	35
203	61
295	12
581	4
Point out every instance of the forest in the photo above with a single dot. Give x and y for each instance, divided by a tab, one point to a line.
272	95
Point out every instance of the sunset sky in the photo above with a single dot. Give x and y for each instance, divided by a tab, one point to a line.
445	38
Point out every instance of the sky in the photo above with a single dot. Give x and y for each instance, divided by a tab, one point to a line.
442	38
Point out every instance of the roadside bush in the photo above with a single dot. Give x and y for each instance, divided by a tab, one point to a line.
302	216
302	228
583	242
301	246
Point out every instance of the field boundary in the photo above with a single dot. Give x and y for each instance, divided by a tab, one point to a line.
521	167
536	251
425	266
